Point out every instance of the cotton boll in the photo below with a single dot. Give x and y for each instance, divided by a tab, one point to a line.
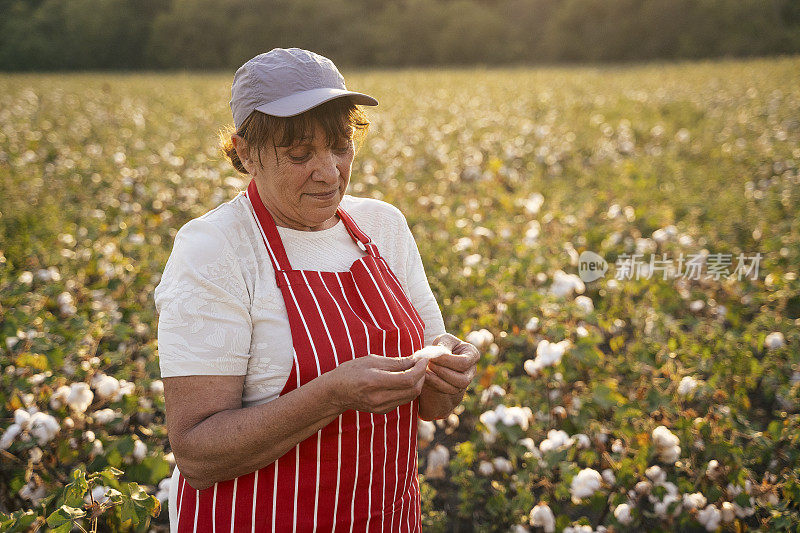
104	416
59	397
582	441
694	501
140	450
430	352
727	512
656	474
98	494
608	476
501	464
531	368
666	444
584	484
697	305
585	304
662	508
533	203
80	397
43	427
713	470
438	459
617	446
157	387
107	387
481	339
774	340
163	489
22	418
485	468
532	324
565	284
556	439
494	391
687	385
622	513
709	517
643	488
9	435
33	491
425	432
542	516
97	448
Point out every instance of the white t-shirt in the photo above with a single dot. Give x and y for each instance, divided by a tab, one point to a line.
221	312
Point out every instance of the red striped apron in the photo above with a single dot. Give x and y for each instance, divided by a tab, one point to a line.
358	473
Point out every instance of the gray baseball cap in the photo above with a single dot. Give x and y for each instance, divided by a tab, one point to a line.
285	82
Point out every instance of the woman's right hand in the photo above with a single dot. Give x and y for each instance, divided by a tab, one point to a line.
377	384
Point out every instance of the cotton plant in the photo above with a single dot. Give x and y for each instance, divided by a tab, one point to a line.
30	423
542	516
687	385
585	484
77	396
509	416
547	354
667	445
481	338
566	284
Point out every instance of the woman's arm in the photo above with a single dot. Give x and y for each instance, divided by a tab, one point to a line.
214	438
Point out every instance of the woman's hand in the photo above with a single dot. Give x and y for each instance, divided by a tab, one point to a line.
448	377
377	384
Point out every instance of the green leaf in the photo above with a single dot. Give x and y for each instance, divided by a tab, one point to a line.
64	515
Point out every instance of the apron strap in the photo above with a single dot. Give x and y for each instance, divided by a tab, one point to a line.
362	239
269	231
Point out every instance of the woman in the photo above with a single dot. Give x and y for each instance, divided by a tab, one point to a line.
287	321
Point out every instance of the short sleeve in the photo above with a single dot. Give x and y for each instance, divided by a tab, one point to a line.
420	291
204	323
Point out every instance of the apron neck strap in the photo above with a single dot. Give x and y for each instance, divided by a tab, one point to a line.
272	239
362	239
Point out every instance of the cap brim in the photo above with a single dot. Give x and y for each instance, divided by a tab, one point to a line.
300	102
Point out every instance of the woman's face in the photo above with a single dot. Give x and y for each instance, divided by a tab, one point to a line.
303	186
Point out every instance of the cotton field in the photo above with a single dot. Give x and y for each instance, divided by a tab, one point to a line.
663	394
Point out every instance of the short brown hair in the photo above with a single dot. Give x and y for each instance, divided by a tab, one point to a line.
339	118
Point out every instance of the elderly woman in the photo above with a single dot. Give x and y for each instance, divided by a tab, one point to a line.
289	320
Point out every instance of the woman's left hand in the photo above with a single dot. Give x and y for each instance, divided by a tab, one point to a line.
448	377
452	374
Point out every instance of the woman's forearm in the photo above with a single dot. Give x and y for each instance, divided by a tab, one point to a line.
235	442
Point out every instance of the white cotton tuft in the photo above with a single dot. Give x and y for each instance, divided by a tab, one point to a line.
43	427
667	445
425	430
542	516
139	450
501	464
687	385
709	517
438	459
557	439
584	484
774	340
695	500
431	352
481	338
622	513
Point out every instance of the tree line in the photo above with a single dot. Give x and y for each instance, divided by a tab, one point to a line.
222	34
